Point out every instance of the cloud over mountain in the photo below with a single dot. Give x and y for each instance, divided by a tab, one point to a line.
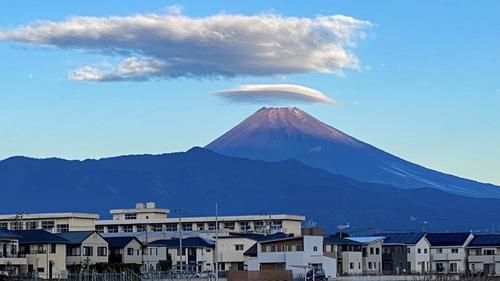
163	46
273	93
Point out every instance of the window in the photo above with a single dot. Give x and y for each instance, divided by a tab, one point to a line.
351	265
238	247
440	251
130	216
102	251
259	226
370	265
489	252
454	251
73	251
99	228
272	248
88	251
315	249
377	251
130	251
419	250
409	250
187	226
211	226
16	225
31	225
171	227
157	227
364	252
62	228
40	270
48	225
244	226
277	225
200	226
128	228
371	251
453	267
229	225
141	227
40	249
425	251
52	248
113	228
3	225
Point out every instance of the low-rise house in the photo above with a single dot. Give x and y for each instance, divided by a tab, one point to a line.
448	251
405	253
484	254
45	253
297	254
371	252
231	249
347	252
10	260
85	248
125	249
197	253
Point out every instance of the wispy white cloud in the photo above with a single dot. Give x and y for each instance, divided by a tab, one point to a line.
225	45
273	94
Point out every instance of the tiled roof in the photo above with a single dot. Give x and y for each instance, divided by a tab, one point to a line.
120	242
190	242
409	238
38	236
76	237
447	239
485	240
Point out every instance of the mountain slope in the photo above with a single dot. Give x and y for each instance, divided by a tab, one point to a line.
275	134
196	179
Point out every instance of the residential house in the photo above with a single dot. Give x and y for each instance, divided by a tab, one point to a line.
298	254
231	249
126	249
85	248
10	260
371	253
45	253
448	251
405	253
347	252
484	254
197	253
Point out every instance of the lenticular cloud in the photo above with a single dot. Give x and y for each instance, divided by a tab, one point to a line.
274	93
223	45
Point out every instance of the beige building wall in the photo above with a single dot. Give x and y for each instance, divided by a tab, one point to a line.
41	261
95	241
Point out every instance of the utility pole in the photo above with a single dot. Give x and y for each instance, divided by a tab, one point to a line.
216	241
179	213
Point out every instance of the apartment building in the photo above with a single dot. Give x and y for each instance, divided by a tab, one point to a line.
197	253
347	252
126	249
298	254
405	253
84	247
45	253
146	217
11	261
449	251
484	254
371	253
52	222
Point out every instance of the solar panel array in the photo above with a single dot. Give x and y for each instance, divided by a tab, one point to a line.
486	240
447	239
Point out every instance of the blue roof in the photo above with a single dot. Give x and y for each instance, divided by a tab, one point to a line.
38	236
409	238
447	239
76	237
6	234
120	242
336	240
190	242
365	240
259	237
485	240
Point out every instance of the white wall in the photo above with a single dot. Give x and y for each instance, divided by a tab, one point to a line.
417	259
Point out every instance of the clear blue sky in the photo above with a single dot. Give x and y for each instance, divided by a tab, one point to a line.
428	89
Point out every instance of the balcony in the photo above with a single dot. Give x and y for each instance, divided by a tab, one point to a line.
13	260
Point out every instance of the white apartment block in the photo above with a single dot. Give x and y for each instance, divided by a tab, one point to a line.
449	252
148	218
484	254
52	222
